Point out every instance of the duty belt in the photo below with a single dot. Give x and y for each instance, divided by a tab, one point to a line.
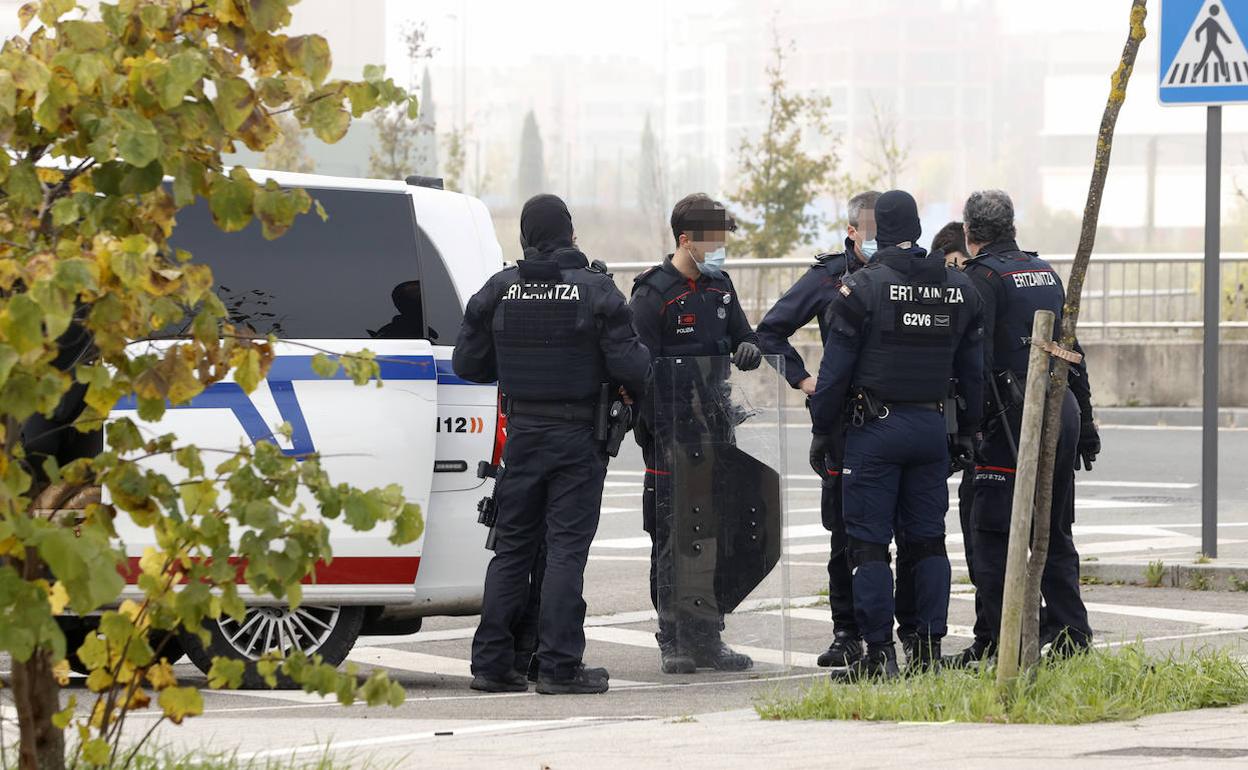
576	411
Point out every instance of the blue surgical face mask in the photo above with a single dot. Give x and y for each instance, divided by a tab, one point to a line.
712	264
869	248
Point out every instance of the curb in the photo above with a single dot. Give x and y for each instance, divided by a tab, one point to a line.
1197	577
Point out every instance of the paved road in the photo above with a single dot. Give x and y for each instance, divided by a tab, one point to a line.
1143	497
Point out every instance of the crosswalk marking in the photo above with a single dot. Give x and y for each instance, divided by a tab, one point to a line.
1222	620
439	665
768	655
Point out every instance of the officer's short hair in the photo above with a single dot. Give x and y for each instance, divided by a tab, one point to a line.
989	217
863	200
698	214
950	239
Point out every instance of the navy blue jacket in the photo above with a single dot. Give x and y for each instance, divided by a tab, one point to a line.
805	300
850	330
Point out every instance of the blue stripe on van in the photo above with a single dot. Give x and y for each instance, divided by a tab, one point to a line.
447	376
284	372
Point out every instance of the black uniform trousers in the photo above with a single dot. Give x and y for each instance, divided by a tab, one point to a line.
966	501
840	575
1064	614
553	479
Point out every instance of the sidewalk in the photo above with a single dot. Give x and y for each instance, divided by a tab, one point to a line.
1174	416
1228	572
1209	738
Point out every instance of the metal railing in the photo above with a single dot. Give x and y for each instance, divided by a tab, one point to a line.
1122	292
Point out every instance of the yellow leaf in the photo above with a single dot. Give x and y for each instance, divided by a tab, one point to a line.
99	680
179	703
96	751
139	699
161	675
11	546
58	597
152	562
61	671
130	609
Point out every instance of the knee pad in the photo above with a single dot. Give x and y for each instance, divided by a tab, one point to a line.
917	550
861	552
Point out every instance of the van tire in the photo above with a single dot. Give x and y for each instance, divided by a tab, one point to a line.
343	628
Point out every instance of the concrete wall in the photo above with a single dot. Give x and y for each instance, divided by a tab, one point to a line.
1146	372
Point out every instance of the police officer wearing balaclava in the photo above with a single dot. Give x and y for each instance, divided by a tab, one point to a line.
551	331
903	326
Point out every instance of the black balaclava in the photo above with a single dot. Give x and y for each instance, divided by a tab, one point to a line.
896	219
545	224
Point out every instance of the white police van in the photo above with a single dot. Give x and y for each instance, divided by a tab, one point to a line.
391	270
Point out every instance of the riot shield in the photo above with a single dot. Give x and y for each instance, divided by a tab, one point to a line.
721	572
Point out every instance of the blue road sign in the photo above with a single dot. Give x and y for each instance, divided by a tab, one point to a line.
1203	58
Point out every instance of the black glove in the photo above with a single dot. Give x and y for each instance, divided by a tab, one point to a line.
961	453
747	357
826	451
1089	445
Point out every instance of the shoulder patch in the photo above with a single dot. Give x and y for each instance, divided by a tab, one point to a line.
827	256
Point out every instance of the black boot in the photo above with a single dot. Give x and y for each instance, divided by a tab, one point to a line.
512	681
925	655
673	659
880	663
910	647
979	650
719	656
845	650
584	681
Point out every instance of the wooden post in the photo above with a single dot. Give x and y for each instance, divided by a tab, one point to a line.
1024	501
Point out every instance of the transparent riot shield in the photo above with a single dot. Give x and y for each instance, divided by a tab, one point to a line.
721	570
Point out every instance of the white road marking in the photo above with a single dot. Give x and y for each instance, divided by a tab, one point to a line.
824	616
290	696
390	740
419	662
1136	484
1222	620
643	639
603	557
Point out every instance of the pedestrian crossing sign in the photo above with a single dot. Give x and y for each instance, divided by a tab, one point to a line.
1203	58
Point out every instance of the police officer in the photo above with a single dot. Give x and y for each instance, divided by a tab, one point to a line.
687	306
950	242
1013	285
902	327
550	331
806	301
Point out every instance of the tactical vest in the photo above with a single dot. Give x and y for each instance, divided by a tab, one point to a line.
915	325
545	336
694	318
1030	284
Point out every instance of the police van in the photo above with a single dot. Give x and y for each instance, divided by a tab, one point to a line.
389	270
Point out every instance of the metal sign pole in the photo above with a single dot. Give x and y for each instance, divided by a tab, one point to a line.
1213	306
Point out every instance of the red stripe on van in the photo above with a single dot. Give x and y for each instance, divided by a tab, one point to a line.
344	570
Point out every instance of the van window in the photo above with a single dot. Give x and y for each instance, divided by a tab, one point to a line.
355	276
443	312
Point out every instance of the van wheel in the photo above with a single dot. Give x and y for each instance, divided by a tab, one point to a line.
326	631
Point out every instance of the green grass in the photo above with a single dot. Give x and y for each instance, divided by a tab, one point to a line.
1094	687
1236	584
1199	581
158	758
1154	574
